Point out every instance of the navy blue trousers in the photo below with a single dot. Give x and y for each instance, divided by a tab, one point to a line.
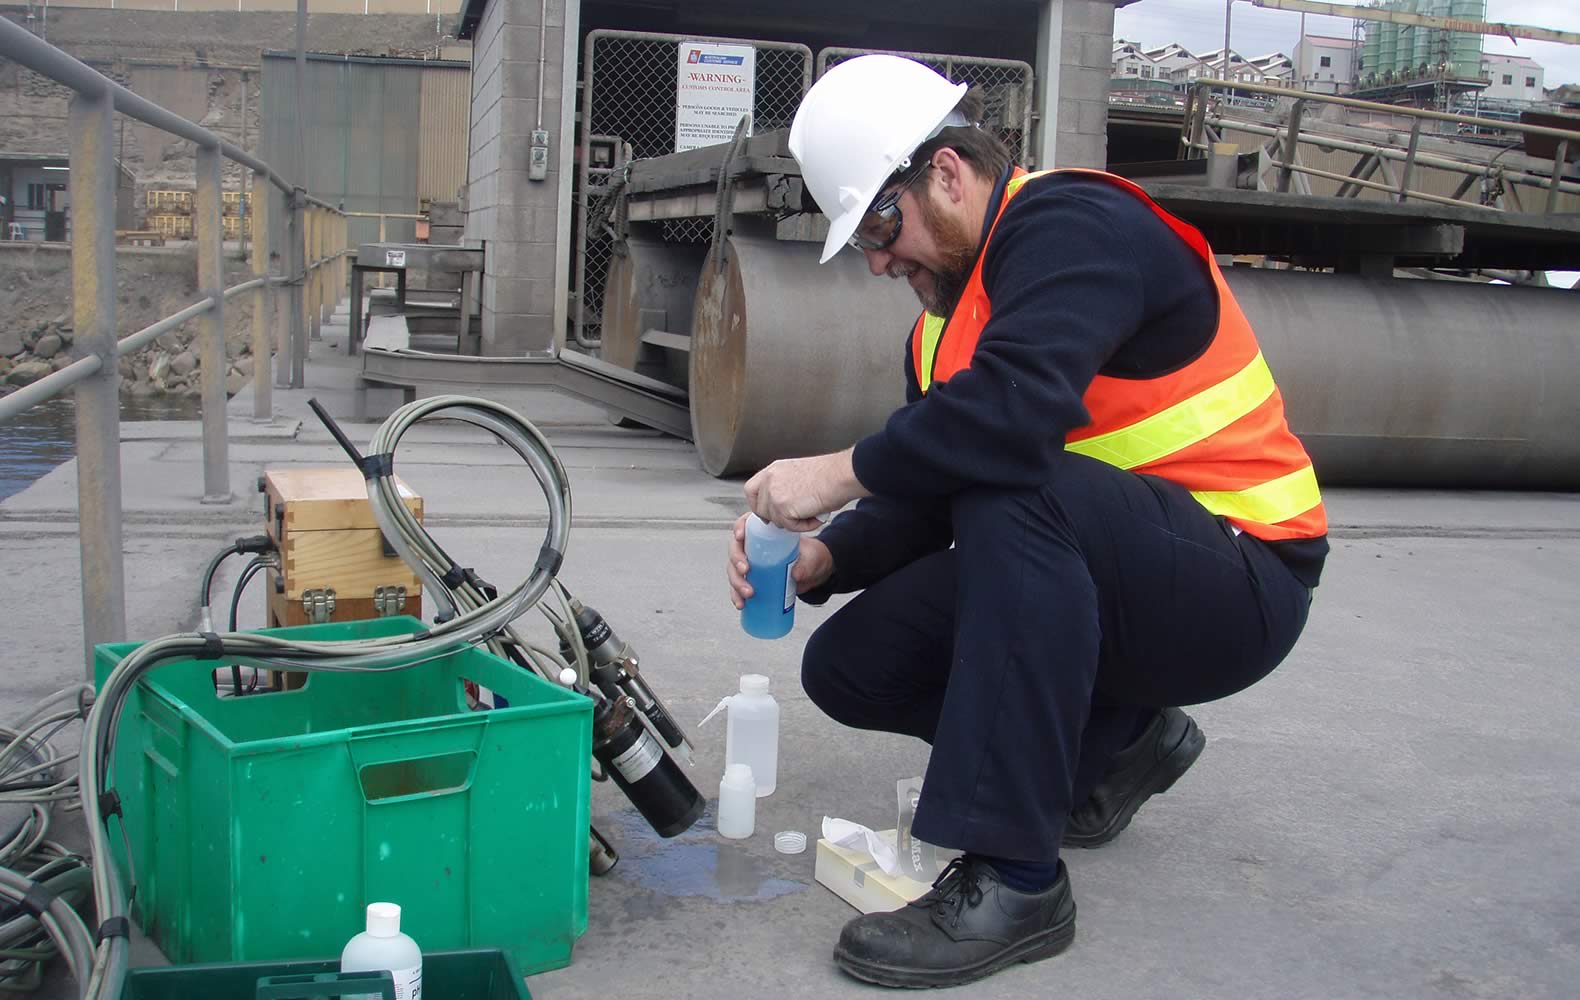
1043	642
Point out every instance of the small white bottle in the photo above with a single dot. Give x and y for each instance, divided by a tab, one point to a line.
737	803
751	732
382	947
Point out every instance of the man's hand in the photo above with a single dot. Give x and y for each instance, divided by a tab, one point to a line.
793	491
814	565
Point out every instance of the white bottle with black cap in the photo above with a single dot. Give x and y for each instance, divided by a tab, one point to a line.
382	947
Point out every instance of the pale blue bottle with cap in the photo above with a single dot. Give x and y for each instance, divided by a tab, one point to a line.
771	554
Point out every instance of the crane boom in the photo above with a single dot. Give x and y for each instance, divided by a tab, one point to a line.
1423	20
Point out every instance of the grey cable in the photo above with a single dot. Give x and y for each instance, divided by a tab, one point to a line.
476	620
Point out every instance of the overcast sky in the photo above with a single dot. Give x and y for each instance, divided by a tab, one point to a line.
1254	31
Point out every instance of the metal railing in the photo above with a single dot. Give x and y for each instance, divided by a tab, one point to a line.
315	274
1205	125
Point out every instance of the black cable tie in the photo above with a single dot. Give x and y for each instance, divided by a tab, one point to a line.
37	900
113	928
377	466
549	560
213	648
454	576
109	804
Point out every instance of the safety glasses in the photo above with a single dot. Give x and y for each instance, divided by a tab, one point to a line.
880	227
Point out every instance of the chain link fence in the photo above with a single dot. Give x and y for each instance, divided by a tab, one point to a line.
1006	85
628	112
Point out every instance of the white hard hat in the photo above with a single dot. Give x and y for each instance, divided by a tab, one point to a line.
858	125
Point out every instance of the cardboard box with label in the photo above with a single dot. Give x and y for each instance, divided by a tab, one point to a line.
853	876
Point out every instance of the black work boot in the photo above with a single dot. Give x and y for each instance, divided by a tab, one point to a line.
970	925
1150	765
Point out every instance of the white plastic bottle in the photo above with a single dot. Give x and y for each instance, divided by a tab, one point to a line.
751	734
737	803
382	947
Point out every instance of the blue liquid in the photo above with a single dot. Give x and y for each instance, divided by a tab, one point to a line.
770	612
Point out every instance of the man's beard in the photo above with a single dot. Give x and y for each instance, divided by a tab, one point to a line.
959	255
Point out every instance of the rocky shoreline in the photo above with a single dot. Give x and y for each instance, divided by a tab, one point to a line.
171	366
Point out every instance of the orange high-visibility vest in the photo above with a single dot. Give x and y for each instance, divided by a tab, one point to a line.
1215	426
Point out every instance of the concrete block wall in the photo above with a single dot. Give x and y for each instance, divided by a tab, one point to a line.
1074	63
519	222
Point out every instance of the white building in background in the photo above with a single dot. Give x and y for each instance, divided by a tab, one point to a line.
1277	69
1177	64
1514	78
1131	63
1325	65
1239	68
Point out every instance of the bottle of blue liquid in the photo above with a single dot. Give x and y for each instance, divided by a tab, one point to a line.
770	554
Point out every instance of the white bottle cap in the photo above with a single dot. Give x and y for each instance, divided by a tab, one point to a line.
789	842
754	684
568	677
740	776
383	919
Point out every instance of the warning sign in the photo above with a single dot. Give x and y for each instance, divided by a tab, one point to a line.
714	86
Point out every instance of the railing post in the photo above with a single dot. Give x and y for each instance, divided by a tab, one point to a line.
1204	95
209	223
311	271
98	397
1409	161
345	259
1291	142
326	270
262	341
298	286
1559	162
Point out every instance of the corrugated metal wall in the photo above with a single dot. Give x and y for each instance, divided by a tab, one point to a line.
441	157
380	134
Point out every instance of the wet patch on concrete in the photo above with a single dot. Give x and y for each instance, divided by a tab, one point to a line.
697	863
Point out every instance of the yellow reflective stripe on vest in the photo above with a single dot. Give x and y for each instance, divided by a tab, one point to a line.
1183	424
1271	502
932	329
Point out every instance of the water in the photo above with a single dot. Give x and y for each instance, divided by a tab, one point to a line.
770	612
33	443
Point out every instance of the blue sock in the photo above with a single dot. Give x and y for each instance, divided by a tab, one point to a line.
1023	876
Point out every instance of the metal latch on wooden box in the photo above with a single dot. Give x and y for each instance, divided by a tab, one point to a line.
318	604
388	601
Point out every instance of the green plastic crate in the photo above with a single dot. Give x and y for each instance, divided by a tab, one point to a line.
454	975
261	826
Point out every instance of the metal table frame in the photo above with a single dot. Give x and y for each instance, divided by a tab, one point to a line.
396	258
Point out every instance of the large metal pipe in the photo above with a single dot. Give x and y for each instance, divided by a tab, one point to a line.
1388	381
1401	382
790	358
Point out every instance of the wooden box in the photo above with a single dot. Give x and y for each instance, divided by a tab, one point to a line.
328	539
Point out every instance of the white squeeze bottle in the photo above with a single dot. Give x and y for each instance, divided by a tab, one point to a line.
751	734
382	947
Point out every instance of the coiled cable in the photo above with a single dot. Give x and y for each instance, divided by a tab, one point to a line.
470	619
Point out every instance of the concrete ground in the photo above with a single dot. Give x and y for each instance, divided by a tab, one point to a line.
1389	815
